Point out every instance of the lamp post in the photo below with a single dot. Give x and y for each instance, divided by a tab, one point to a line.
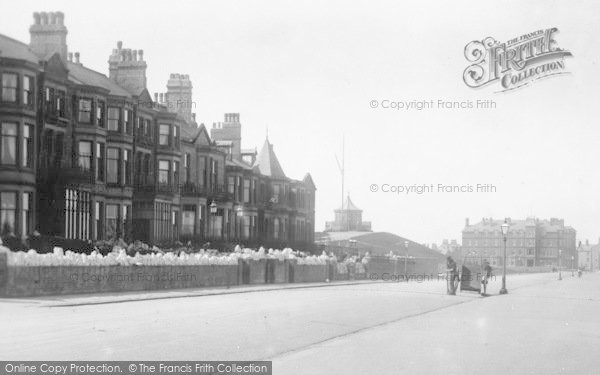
559	266
405	257
572	259
504	228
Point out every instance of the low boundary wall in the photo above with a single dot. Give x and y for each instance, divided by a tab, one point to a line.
28	281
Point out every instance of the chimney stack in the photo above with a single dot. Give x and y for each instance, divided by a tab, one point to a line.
127	70
48	35
466	222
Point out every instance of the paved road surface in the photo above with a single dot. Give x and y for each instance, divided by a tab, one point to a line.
541	326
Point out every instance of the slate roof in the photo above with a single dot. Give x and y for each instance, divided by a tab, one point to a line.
267	163
11	48
85	76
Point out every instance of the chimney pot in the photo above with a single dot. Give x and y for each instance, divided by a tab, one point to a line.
44	16
162	97
70	58
119	45
134	55
52	18
36	18
141	54
77	57
156	97
60	18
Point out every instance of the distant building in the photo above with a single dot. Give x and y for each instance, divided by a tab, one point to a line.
589	256
447	247
530	242
348	218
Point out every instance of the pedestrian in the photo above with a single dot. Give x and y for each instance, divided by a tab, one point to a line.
487	273
452	276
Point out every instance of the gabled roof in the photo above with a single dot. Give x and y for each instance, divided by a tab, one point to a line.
82	75
145	98
11	48
309	180
202	137
267	163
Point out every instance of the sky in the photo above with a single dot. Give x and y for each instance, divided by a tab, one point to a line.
308	72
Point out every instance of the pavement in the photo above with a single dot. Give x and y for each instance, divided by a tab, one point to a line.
542	326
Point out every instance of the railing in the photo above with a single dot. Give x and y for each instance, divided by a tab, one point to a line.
193	189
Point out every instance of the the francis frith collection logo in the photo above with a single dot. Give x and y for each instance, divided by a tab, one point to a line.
515	63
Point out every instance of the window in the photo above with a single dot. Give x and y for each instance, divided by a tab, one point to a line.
127	167
26	214
214	165
186	165
275	228
61	104
112	220
246	191
8	209
100	114
231	185
9	87
139	128
58	149
163	172
147	169
27	90
246	225
27	151
100	161
112	166
84	159
148	129
127	119
176	173
114	118
98	215
49	99
202	171
275	197
85	110
8	146
164	133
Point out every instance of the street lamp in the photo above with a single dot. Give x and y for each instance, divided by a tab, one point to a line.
504	228
406	257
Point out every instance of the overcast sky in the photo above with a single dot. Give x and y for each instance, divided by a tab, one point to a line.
308	70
